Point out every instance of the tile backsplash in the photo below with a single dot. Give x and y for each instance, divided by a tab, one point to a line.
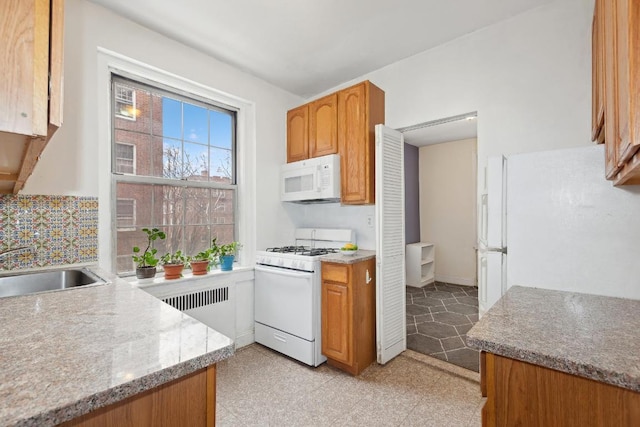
59	230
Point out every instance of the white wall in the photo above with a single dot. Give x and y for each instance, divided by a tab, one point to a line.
448	208
570	229
70	164
333	215
529	79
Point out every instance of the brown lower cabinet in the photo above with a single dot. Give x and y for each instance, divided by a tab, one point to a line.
348	315
523	394
187	401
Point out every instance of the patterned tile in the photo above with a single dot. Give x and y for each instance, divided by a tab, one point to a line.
453	310
59	229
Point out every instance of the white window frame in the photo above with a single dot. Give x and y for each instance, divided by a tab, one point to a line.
133	106
134	155
111	62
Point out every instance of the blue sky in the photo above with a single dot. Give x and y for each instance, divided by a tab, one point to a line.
204	131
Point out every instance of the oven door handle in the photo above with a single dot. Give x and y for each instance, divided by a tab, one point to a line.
283	271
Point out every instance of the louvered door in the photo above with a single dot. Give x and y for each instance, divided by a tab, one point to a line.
390	244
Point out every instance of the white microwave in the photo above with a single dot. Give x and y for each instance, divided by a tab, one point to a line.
314	180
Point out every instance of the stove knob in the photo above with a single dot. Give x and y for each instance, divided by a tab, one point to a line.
281	263
294	264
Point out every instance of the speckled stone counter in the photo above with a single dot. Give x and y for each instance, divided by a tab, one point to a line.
585	335
66	353
362	255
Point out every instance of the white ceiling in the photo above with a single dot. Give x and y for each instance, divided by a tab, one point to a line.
442	130
309	46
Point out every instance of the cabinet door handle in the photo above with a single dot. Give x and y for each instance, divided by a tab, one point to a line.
367	277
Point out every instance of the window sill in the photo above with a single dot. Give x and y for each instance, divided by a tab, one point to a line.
187	276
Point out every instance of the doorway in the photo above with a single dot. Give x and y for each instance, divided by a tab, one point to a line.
441	210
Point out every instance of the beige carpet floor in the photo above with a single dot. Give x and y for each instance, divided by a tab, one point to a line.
259	387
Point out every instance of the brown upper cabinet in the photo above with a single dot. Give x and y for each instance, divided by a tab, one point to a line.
298	134
312	129
360	108
616	90
323	126
342	122
31	58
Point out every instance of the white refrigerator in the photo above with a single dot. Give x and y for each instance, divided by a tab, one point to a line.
492	244
565	226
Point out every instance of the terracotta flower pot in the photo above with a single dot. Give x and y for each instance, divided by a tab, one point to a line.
199	268
173	271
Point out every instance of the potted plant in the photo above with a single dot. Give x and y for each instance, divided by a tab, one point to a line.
201	262
227	255
173	264
147	261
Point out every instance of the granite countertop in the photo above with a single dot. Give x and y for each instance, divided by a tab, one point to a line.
590	336
66	353
362	255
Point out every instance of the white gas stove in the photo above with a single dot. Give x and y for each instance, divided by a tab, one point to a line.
287	293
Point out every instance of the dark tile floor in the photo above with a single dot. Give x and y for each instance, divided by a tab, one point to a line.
438	318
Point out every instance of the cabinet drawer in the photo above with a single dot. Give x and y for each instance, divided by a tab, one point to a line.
335	272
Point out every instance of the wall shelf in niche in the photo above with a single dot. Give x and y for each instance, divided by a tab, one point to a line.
420	264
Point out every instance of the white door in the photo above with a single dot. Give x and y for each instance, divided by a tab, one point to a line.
391	327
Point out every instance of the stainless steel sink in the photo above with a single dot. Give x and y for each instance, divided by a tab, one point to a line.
30	283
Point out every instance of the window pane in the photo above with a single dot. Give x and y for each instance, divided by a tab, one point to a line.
224	233
221	166
132	108
125	158
198	202
171	159
174	240
197	238
222	206
195	123
172	202
132	153
140	197
196	162
221	129
171	118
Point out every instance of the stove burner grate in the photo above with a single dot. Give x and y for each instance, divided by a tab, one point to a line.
302	250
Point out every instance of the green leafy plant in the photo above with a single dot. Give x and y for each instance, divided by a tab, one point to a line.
210	254
229	248
148	257
174	258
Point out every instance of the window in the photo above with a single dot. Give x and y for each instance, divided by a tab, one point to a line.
173	168
126	214
125	158
125	102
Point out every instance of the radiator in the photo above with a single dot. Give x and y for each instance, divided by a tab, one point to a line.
213	307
